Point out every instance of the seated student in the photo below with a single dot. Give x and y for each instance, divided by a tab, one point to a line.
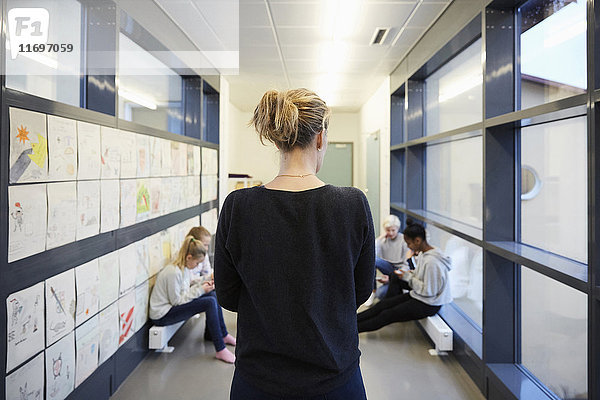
176	298
204	270
428	286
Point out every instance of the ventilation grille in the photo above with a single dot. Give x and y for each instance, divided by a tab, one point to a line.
379	36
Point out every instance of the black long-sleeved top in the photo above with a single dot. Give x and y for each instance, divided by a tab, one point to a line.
295	266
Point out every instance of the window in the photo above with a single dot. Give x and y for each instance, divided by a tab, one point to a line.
53	75
553	50
453	94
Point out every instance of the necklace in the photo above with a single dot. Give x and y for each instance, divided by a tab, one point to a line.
294	176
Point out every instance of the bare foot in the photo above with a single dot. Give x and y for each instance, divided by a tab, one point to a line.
226	356
229	340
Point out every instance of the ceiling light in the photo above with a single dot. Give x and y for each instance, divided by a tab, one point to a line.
332	56
339	18
137	98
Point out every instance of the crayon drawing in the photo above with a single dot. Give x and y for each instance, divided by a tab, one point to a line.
60	305
28	146
25	324
209	220
87	282
28	381
110	199
108	273
62	216
143	261
27	209
197	161
210	161
126	317
142	143
108	322
155	189
128	154
88	209
165	240
143	200
127	268
210	188
110	153
166	164
155	145
190	159
88	150
179	158
165	201
62	149
86	348
155	254
60	368
128	202
142	294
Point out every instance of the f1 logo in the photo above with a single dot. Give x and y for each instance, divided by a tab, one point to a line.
27	26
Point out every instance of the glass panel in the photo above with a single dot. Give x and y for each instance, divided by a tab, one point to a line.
554	209
554	334
553	50
150	93
454	180
397	119
52	68
453	93
397	165
466	276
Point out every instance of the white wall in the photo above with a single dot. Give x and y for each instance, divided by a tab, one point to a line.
375	116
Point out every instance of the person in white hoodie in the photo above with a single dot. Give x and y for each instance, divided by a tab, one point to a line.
176	297
427	285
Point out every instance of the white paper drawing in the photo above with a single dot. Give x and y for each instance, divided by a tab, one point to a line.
25	325
88	150
27	209
165	200
176	194
143	261
62	214
108	321
128	202
209	220
110	154
86	348
127	268
142	295
190	159
165	239
88	209
110	204
87	284
174	239
179	158
60	368
197	170
196	192
142	143
62	148
155	145
166	164
60	305
28	381
108	273
128	154
155	202
143	200
155	254
28	146
210	188
210	161
126	317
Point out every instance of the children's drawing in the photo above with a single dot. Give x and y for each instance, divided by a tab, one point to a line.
88	209
179	158
27	211
176	194
167	167
128	202
155	145
210	161
155	189
28	146
196	192
110	153
60	305
190	159
143	200
210	187
165	201
165	239
128	154
86	348
87	283
142	294
209	220
126	317
142	143
88	150
62	148
197	169
127	268
62	214
108	323
27	383
108	273
60	368
110	199
155	254
142	261
25	324
174	239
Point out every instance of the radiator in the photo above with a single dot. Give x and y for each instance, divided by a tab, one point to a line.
160	336
438	331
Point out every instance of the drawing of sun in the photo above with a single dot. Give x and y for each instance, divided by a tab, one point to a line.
22	135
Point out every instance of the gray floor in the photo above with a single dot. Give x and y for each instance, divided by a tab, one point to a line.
395	364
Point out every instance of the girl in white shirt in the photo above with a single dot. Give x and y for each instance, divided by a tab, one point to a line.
176	297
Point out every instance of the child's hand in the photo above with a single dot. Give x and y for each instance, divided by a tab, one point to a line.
208	286
383	279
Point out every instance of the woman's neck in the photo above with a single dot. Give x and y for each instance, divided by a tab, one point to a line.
297	171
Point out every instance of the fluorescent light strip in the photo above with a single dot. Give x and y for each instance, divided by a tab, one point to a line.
138	98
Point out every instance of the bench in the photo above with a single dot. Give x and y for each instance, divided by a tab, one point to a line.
439	333
160	335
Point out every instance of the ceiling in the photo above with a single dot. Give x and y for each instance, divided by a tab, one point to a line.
323	45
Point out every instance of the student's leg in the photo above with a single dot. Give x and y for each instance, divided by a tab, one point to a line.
211	309
396	286
384	304
179	313
408	310
384	266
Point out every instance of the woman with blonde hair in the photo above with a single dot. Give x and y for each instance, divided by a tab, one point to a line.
176	298
295	258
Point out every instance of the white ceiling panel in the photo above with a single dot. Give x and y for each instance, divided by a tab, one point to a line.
254	15
296	14
425	13
298	36
256	37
